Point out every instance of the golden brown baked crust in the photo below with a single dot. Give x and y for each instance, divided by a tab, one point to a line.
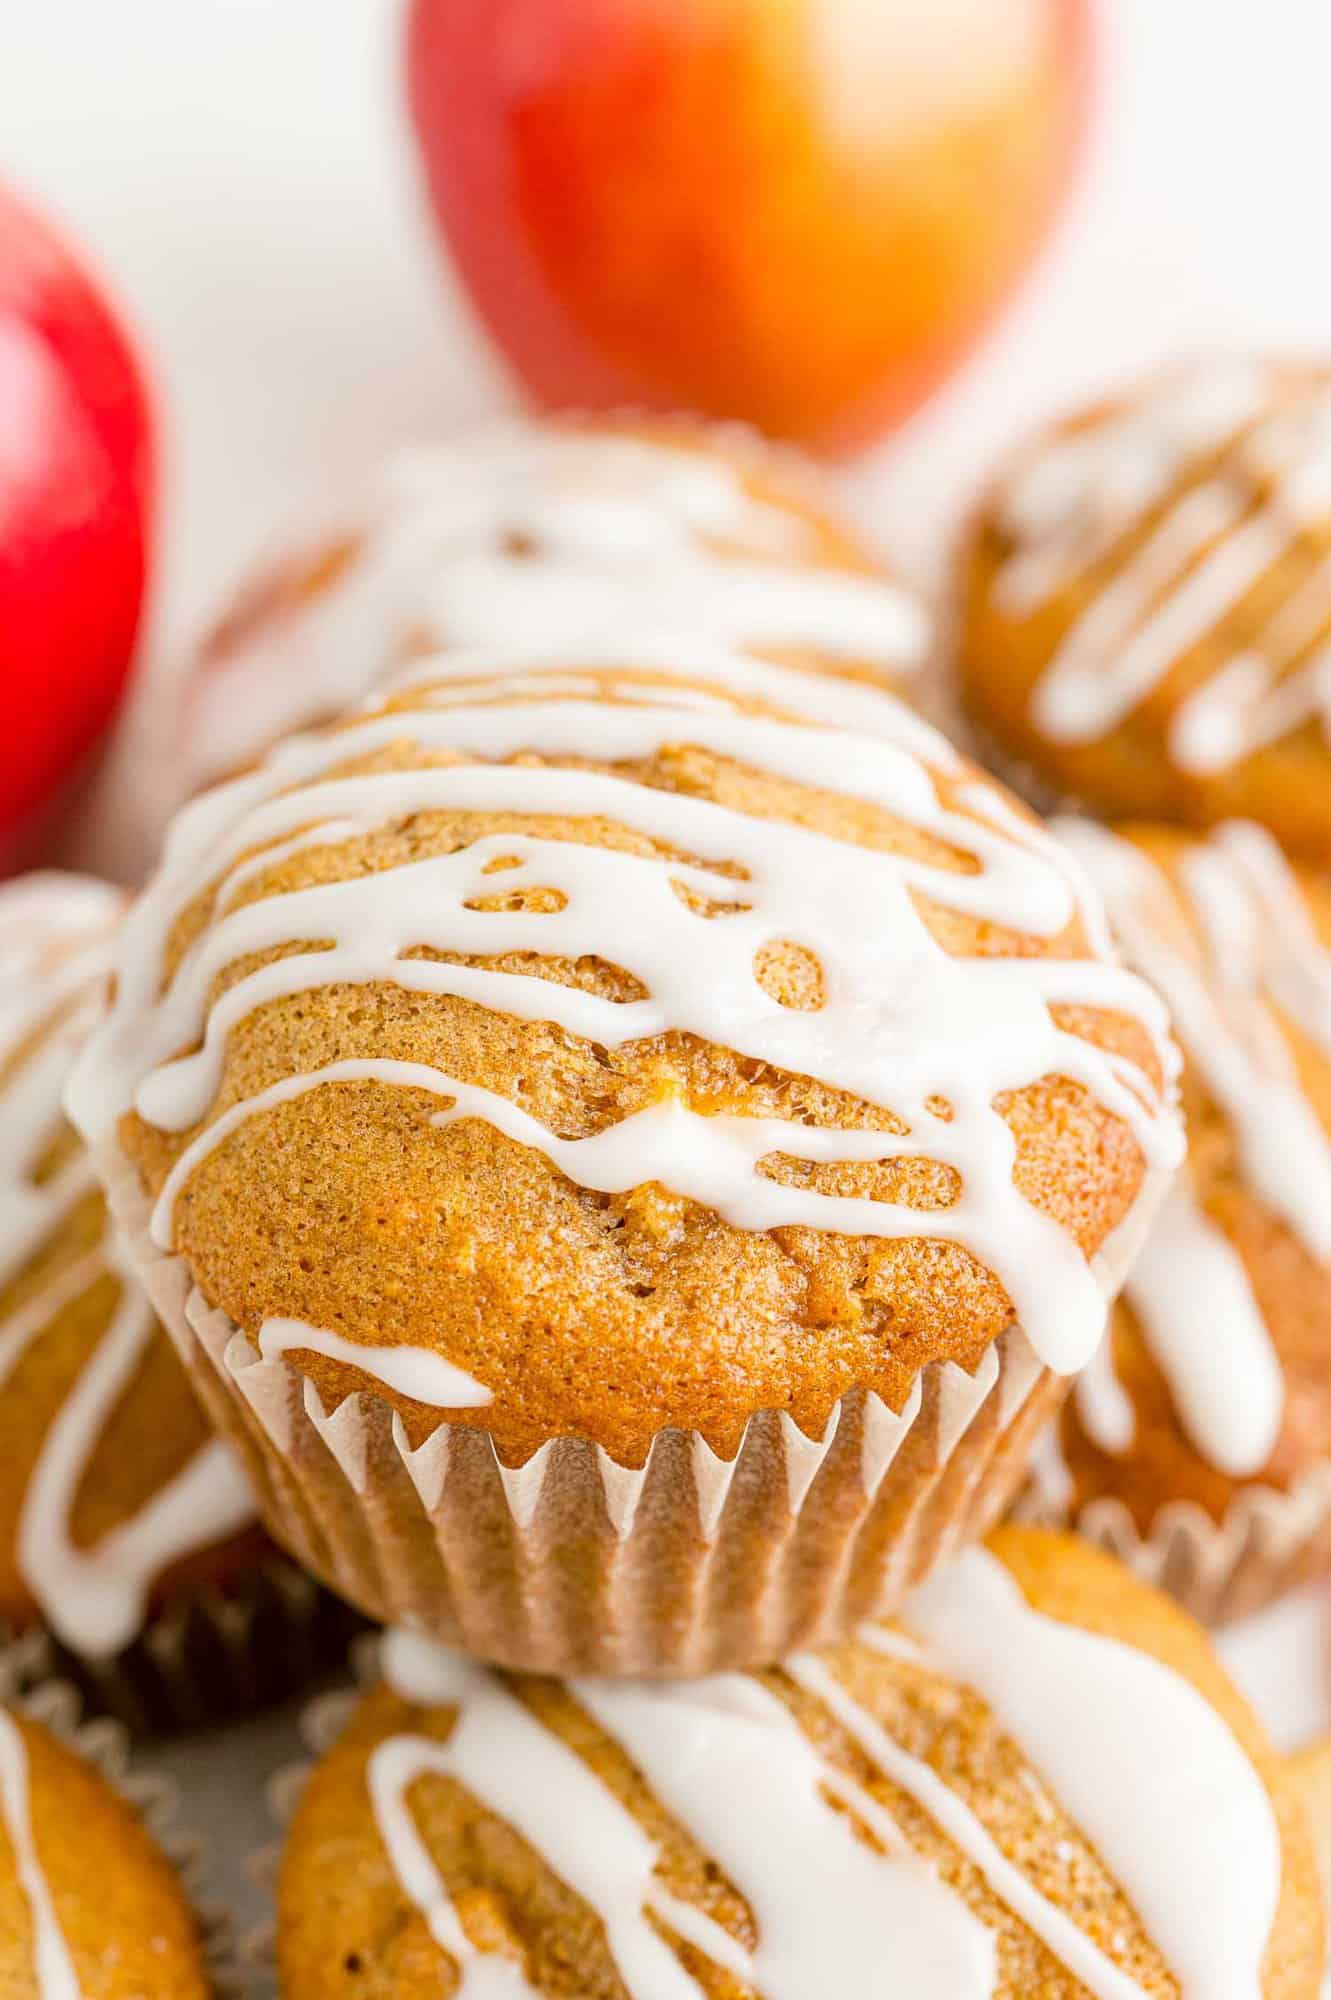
605	1316
1133	769
345	1926
1291	1286
122	1912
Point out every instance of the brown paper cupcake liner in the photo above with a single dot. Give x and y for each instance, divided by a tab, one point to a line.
1269	1542
104	1743
572	1563
209	1656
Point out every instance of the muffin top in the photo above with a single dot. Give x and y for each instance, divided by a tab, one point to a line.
553	537
90	1909
1039	1781
1216	1373
630	1056
110	1485
1148	617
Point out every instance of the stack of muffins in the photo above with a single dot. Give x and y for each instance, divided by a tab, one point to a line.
632	1136
1147	633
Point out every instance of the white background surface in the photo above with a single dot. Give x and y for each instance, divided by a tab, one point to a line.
241	169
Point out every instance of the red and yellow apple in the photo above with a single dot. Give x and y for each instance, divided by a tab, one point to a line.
76	471
800	213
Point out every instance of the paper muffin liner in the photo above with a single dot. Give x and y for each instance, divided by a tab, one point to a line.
572	1563
104	1744
1268	1542
210	1655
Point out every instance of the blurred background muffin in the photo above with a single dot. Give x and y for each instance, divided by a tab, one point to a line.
550	541
1198	1441
1147	616
90	1903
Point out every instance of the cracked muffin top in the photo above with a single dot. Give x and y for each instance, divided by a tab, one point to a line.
617	1051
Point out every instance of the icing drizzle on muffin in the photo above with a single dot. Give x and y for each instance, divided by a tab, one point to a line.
931	1038
1229	943
832	1912
52	1964
1176	507
529	534
55	937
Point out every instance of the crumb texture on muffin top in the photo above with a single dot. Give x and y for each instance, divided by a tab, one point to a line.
90	1909
1037	1781
632	1057
109	1476
557	536
1214	1376
1148	618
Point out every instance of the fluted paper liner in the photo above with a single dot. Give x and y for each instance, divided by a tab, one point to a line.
572	1563
104	1744
209	1655
1269	1542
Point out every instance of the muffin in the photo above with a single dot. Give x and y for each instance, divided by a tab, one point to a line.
1198	1442
558	537
1147	618
627	1167
1312	1773
1040	1781
126	1529
89	1905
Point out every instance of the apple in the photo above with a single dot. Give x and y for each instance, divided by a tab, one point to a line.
76	478
800	213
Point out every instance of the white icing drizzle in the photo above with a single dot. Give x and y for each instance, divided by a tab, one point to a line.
1070	499
54	936
1141	1763
1071	504
1103	1404
412	1371
622	669
1104	1727
702	1746
1204	1327
1233	944
903	1023
96	1599
52	1964
529	535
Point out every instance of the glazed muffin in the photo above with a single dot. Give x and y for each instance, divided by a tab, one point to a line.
1147	618
1198	1443
557	537
1039	1781
627	1165
89	1905
126	1527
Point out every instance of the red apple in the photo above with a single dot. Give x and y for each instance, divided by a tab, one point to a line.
76	466
797	212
